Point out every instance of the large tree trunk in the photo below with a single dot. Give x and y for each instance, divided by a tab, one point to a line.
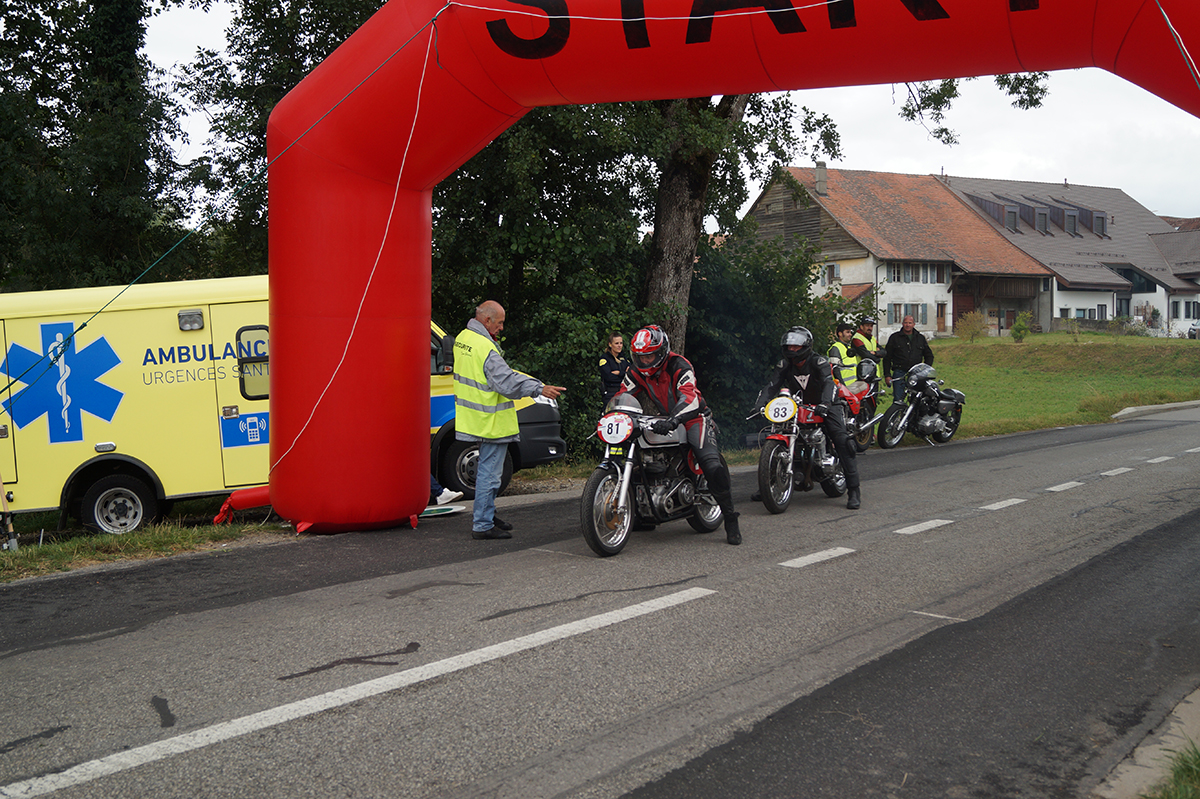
679	208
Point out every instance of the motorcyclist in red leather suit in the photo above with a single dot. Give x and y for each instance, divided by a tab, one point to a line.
666	381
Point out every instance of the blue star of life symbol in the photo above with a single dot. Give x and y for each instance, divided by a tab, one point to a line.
61	383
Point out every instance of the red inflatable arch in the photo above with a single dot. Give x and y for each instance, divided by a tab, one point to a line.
426	84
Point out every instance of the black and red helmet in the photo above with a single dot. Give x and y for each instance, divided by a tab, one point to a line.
797	345
650	349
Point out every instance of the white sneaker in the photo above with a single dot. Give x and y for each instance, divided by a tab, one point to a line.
448	496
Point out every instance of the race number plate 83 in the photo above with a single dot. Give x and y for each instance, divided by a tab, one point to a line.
780	409
613	428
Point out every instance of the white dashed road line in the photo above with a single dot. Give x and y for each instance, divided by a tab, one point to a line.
817	557
1004	503
1064	486
1163	459
935	616
1115	472
922	527
160	750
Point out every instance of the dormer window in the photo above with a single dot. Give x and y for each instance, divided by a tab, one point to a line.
1010	217
1043	222
1100	223
1071	223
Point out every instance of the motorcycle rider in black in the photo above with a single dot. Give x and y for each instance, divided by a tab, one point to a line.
666	381
809	377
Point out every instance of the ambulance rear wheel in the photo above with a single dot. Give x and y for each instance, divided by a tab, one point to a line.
460	465
118	504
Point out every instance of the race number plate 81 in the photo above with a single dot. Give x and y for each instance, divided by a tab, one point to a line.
613	428
780	409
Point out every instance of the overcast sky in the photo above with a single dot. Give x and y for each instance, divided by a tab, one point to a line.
1094	128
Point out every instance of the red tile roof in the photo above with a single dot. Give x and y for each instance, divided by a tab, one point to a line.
916	218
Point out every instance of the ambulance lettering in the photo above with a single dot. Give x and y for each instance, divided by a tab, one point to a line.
62	383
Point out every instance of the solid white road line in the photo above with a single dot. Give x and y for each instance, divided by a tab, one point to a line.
131	758
1115	472
816	557
922	527
1006	503
1063	486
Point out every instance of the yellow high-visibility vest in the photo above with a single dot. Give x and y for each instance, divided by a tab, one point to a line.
479	411
848	371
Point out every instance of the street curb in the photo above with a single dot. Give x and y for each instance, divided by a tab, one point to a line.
1145	410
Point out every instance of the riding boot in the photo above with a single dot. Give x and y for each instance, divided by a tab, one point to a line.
732	534
853	499
724	499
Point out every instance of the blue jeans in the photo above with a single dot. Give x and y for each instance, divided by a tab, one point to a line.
898	384
487	483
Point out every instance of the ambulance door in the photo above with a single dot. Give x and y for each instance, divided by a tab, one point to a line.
244	422
8	453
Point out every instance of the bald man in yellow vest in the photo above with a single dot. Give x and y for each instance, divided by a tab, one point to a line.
484	389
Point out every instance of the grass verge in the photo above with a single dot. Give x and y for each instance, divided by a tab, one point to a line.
1183	781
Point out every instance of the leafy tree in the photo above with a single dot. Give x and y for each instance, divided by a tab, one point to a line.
746	294
1020	328
85	177
971	326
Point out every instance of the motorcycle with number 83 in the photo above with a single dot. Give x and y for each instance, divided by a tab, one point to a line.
796	454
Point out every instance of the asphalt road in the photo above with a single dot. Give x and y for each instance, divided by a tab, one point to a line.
1005	617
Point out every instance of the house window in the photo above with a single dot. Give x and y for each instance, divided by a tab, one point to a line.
941	274
1045	284
1174	309
895	313
895	273
1064	313
1091	313
1102	312
918	311
1042	219
1081	313
1010	218
1071	223
1100	223
830	273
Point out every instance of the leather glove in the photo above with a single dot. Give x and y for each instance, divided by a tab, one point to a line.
823	410
665	426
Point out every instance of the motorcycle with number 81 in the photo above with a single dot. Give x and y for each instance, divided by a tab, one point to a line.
644	479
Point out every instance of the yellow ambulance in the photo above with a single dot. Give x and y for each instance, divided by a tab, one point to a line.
111	418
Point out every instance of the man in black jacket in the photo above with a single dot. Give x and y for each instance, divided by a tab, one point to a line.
809	376
904	349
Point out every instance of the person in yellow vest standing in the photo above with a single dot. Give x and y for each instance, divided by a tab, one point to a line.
864	344
484	389
844	362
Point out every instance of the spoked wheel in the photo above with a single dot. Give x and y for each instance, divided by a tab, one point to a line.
890	429
774	481
864	432
951	427
606	526
707	516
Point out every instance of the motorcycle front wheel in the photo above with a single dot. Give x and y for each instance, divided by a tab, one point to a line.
951	427
605	526
774	482
890	429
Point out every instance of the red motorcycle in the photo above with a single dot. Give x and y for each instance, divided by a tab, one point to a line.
861	418
796	454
